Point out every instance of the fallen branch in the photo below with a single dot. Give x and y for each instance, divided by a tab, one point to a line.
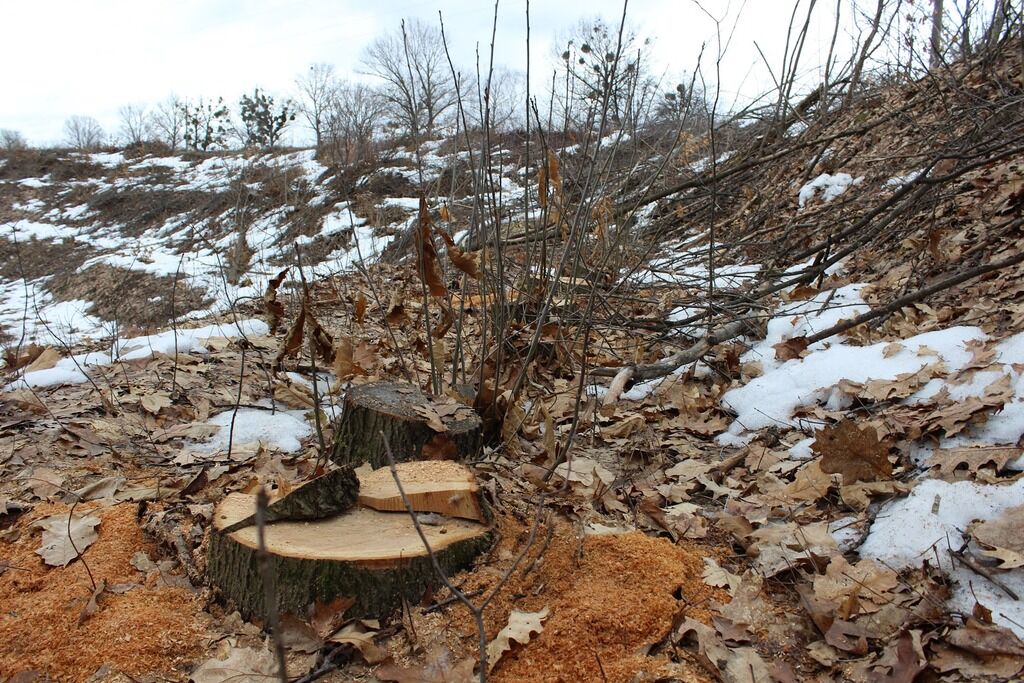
916	296
969	562
689	355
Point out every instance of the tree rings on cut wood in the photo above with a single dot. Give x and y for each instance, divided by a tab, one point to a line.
438	486
418	427
374	558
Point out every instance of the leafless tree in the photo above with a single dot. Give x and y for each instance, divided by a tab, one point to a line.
12	140
504	100
316	94
168	121
936	40
418	87
351	121
83	133
683	106
136	125
602	63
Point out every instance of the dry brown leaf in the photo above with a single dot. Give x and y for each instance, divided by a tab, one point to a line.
466	262
440	667
242	665
1001	537
791	349
986	640
433	418
353	359
45	360
293	340
429	265
624	428
854	452
520	627
717	576
905	658
45	482
154	402
359	310
360	636
951	463
65	539
93	605
275	309
323	342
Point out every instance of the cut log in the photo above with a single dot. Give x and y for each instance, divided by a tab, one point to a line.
374	558
417	427
446	488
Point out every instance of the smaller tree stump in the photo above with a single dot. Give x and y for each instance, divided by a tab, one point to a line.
418	427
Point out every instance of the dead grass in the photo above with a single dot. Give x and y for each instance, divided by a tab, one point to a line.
133	298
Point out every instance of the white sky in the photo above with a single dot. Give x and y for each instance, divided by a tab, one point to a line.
64	57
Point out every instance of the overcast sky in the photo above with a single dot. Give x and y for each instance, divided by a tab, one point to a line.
64	57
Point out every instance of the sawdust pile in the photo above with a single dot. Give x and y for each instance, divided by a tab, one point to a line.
609	597
148	628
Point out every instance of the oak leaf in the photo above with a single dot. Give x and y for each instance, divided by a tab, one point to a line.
854	452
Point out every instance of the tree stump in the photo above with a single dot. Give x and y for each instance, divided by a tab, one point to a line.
373	557
417	427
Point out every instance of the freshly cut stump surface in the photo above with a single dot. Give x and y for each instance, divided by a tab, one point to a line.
444	487
375	558
418	427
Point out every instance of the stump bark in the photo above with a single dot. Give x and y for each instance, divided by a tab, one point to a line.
417	427
374	558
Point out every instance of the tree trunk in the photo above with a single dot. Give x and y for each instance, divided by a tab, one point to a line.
376	559
416	427
936	42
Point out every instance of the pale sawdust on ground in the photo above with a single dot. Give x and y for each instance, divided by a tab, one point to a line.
148	629
618	598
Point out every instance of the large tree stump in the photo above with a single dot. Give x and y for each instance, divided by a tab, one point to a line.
417	427
373	557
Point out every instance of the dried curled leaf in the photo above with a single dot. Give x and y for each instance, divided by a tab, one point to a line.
242	665
467	263
1001	538
429	266
520	627
293	340
275	309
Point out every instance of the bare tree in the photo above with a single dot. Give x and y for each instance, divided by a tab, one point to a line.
418	86
168	121
12	140
83	133
316	92
936	40
684	107
136	126
602	63
351	120
503	99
